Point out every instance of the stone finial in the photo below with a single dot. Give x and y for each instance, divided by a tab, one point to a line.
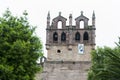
48	20
70	20
48	16
59	13
81	12
93	15
70	16
93	19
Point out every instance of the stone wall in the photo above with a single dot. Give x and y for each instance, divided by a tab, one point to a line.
68	55
68	70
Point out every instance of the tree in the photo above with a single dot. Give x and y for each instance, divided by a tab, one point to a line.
19	48
105	64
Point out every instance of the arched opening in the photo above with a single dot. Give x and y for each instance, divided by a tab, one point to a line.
42	59
81	24
63	36
86	36
59	25
55	36
77	36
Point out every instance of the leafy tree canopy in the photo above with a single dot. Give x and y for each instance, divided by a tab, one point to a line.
19	48
105	64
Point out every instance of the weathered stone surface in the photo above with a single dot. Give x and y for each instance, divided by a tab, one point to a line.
64	70
63	59
69	55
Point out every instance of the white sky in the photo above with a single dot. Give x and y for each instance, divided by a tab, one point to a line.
107	15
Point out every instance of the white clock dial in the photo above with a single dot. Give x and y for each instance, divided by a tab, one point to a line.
80	48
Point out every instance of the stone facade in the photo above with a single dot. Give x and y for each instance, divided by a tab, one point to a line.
68	55
68	48
62	43
65	70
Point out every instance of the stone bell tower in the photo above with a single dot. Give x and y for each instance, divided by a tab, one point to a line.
70	42
68	47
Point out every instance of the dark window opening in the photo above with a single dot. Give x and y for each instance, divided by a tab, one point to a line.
86	37
55	36
77	36
63	37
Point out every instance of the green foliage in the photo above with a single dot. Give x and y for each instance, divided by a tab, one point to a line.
19	48
105	64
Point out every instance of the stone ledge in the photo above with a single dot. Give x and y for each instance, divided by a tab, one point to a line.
74	62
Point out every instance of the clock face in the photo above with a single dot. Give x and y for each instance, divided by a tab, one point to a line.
80	48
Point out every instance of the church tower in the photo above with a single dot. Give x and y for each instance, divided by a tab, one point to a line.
70	42
68	47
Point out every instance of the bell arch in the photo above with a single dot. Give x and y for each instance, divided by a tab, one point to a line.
59	20
81	24
59	24
83	19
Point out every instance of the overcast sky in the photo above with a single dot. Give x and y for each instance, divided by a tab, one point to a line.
107	15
